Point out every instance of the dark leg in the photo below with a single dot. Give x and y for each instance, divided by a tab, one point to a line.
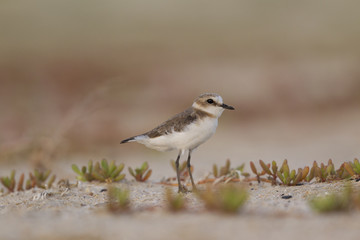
181	188
189	171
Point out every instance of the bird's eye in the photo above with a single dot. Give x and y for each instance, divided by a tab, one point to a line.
210	101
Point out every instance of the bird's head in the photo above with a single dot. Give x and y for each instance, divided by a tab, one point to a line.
211	103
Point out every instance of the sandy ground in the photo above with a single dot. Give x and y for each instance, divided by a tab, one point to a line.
80	213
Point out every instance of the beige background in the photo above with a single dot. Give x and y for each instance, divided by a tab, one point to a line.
78	77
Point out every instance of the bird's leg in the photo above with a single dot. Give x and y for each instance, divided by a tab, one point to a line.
181	187
189	171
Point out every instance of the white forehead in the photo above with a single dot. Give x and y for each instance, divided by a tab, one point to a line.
219	99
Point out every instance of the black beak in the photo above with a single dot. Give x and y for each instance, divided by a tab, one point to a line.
227	106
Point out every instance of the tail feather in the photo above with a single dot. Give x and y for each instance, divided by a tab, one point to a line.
135	139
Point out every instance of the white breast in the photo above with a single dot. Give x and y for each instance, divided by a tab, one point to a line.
190	138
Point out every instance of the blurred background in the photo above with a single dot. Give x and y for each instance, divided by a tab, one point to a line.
77	77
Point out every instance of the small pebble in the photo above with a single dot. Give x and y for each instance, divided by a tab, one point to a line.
286	196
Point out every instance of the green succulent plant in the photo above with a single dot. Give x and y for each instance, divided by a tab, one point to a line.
334	202
256	172
102	172
175	201
241	170
142	173
322	173
325	172
291	177
311	174
342	173
227	198
285	176
353	168
221	171
9	182
85	174
118	199
272	172
39	178
36	179
228	173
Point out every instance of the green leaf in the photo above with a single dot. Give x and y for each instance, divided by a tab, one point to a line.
285	169
51	181
5	181
298	177
215	170
280	176
144	167
81	178
304	172
292	174
112	167
98	177
121	166
45	175
105	166
28	184
131	171
241	167
274	167
90	166
115	173
311	174
119	178
139	171
12	175
265	167
357	166
97	167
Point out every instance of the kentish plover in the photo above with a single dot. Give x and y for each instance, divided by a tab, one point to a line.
186	131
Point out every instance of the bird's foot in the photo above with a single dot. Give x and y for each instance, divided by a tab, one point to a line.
183	189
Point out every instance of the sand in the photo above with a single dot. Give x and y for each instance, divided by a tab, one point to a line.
80	212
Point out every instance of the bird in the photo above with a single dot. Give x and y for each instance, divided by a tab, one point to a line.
185	131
